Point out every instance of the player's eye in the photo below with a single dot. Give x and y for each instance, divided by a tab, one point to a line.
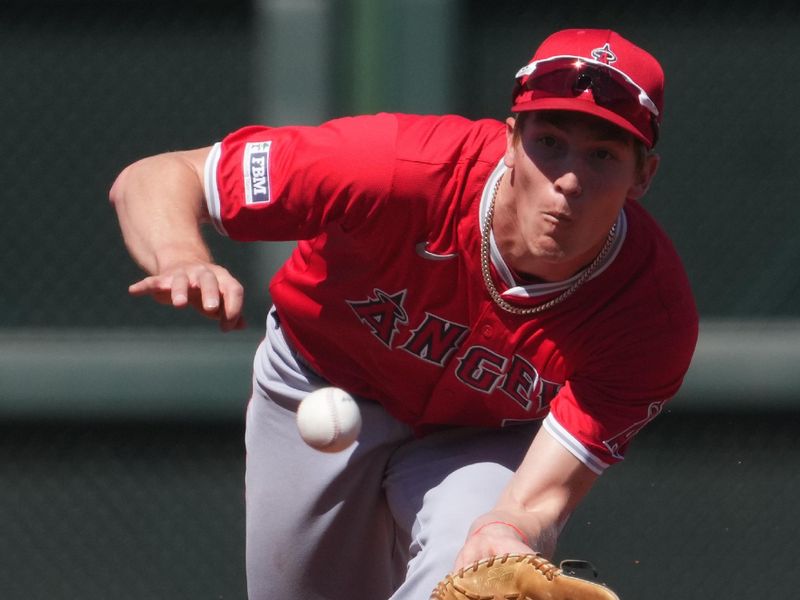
548	141
604	154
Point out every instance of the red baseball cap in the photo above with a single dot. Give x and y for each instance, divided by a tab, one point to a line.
595	71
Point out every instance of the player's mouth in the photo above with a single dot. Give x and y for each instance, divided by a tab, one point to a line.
556	218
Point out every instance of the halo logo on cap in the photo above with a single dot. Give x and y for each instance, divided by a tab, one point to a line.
604	54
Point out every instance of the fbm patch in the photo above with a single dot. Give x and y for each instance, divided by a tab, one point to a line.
256	172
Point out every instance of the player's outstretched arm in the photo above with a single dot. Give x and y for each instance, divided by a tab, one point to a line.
160	206
534	507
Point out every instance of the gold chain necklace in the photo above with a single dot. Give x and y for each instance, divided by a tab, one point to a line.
532	310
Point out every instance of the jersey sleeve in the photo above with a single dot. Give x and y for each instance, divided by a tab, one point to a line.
635	362
597	414
289	183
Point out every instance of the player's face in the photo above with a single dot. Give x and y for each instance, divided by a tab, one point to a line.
570	175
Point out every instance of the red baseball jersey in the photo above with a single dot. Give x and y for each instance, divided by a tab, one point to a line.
384	295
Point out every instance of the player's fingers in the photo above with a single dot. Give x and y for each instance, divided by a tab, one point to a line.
226	325
142	287
152	286
209	289
233	302
179	289
209	293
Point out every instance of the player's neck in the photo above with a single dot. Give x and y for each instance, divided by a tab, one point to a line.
529	261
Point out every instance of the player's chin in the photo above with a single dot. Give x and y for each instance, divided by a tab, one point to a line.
550	251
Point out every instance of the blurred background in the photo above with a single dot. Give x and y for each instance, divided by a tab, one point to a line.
121	462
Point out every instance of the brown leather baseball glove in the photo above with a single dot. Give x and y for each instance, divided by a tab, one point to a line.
517	577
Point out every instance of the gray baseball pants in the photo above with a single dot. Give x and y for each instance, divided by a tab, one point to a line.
382	520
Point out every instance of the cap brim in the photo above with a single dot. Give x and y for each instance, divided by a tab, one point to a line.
582	106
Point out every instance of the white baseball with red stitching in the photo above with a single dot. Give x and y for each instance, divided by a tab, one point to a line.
329	420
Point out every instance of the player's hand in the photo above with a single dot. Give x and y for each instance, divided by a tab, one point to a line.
490	540
208	288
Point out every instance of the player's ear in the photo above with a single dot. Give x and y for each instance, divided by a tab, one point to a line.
644	176
511	138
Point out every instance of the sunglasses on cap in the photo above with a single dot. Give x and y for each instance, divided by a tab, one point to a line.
571	76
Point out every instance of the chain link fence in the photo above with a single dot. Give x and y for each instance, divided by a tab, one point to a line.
89	87
154	509
119	511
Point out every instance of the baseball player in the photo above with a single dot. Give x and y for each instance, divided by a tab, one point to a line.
494	295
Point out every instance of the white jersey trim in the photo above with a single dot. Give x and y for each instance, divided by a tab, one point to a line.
539	289
573	446
210	187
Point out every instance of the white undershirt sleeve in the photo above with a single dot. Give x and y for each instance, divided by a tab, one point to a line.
571	443
210	188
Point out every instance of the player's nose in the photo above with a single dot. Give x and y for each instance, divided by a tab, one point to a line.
568	184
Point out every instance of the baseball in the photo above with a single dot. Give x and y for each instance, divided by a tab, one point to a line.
329	419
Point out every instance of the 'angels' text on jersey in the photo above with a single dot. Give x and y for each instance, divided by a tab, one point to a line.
435	340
